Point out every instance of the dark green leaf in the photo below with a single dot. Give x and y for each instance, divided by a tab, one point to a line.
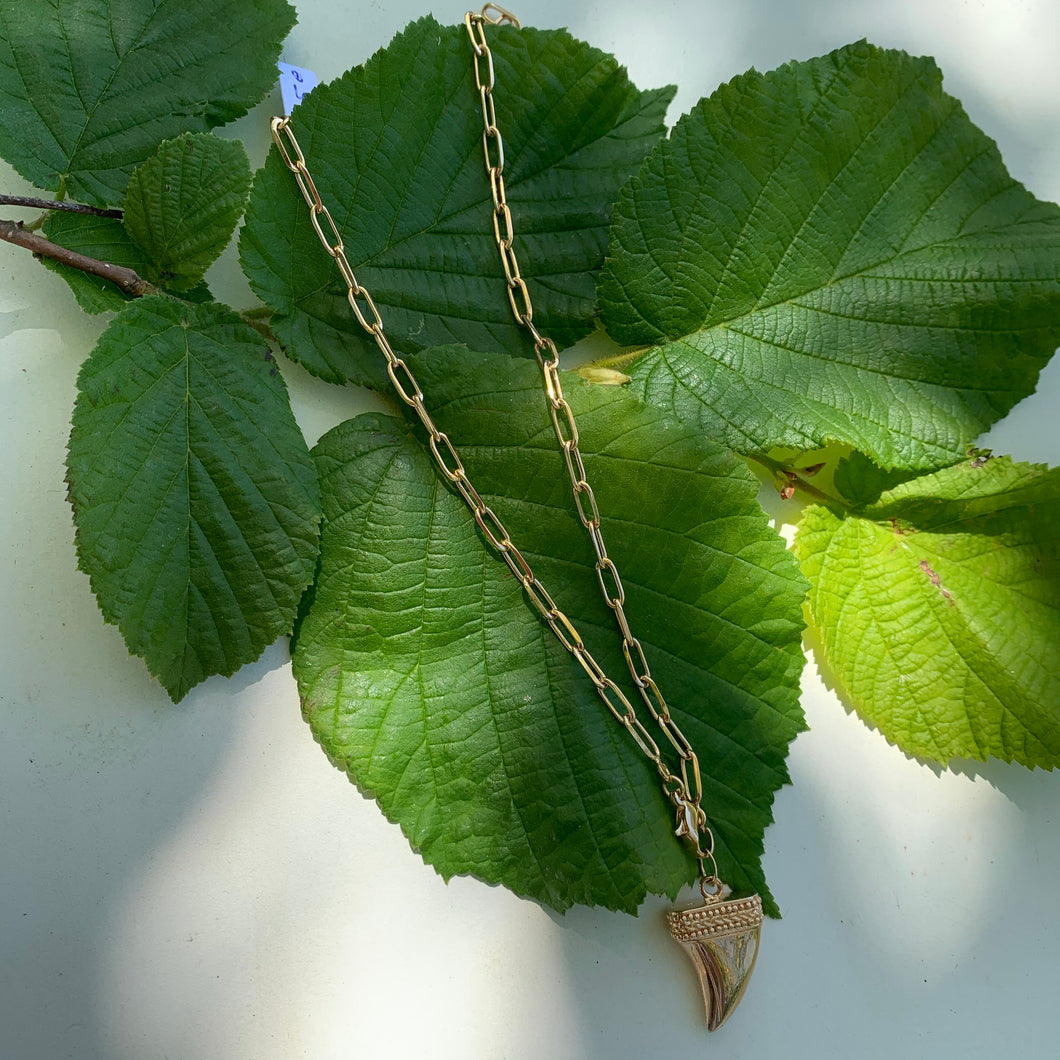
428	677
89	88
395	148
832	251
105	239
183	204
938	606
194	495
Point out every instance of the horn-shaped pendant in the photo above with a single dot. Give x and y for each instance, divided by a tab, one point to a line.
721	938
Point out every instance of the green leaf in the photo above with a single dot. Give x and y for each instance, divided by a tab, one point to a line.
938	606
427	676
832	251
89	88
105	239
183	204
860	481
194	494
395	148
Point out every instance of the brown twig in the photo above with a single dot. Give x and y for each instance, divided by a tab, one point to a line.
52	204
126	279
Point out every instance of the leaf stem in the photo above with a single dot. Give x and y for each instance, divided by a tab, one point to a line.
126	279
54	204
621	360
792	480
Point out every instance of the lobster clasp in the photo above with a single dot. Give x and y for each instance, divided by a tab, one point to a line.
687	819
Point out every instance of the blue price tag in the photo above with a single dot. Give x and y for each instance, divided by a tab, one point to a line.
295	83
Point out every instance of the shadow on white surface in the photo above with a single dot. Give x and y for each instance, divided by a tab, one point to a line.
196	881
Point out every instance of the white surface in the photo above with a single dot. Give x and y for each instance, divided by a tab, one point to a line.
197	882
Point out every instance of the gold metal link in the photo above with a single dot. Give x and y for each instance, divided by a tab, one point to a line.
498	16
708	877
615	699
487	55
307	188
491	526
519	299
355	295
386	349
539	596
706	852
684	790
572	455
643	738
547	354
540	341
588	512
623	628
456	469
566	429
489	110
493	134
285	140
497	188
510	263
568	636
401	376
517	562
688	792
476	33
591	667
653	698
553	386
346	271
596	538
672	787
638	665
462	485
697	788
335	248
428	424
614	594
509	234
678	739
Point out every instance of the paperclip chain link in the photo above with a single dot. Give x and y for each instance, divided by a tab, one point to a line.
684	789
453	470
688	793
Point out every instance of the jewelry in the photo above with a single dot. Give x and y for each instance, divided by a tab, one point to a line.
721	935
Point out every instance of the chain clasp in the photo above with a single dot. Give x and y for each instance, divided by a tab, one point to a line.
496	15
687	819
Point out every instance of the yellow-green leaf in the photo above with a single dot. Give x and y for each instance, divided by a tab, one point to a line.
938	606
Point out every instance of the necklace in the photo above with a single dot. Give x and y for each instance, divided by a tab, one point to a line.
721	934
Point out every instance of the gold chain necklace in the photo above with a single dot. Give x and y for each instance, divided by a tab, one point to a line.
720	935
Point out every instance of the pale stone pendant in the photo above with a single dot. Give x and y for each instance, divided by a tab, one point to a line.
721	939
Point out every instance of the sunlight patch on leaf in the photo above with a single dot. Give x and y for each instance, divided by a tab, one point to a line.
938	607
